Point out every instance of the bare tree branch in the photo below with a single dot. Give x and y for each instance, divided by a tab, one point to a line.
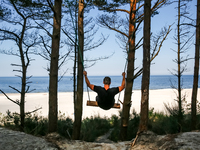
27	113
15	89
156	54
16	102
169	29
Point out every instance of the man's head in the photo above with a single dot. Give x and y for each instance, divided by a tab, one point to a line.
107	80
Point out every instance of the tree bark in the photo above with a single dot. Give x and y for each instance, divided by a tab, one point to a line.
196	71
146	68
179	66
23	78
130	72
53	80
23	90
79	101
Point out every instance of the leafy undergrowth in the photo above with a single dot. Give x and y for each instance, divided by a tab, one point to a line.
96	126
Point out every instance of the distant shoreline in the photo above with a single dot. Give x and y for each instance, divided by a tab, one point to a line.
93	91
103	75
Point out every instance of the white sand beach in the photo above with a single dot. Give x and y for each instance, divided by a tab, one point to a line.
65	102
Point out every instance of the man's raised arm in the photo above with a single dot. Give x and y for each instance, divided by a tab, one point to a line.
123	82
91	86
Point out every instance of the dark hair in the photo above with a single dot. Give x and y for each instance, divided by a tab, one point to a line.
107	80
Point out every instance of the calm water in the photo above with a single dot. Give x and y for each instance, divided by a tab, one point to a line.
40	84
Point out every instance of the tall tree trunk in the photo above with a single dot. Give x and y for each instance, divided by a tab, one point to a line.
53	80
23	78
130	72
75	60
146	68
79	101
179	66
23	92
196	70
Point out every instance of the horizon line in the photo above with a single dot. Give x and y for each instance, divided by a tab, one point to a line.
100	75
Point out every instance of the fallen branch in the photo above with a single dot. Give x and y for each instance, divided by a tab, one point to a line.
132	144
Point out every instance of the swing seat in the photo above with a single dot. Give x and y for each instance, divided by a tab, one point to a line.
94	103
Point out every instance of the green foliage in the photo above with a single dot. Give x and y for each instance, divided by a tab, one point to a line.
28	3
133	125
35	125
65	126
1	11
105	5
93	127
198	121
186	123
10	120
161	124
4	12
115	124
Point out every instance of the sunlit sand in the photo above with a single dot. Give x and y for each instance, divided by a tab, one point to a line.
65	102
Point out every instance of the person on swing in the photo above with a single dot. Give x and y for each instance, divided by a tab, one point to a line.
105	95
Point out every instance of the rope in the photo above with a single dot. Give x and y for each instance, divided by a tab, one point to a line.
76	35
120	92
88	93
128	52
82	61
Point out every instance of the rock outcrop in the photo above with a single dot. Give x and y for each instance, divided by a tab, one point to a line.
14	140
181	141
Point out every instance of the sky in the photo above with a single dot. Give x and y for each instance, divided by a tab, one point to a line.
115	65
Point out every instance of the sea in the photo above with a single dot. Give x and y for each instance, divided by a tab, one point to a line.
40	84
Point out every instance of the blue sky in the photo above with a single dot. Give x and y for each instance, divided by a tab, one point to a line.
115	65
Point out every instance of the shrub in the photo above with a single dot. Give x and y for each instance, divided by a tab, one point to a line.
11	120
133	125
94	127
36	125
134	120
161	124
65	126
115	125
